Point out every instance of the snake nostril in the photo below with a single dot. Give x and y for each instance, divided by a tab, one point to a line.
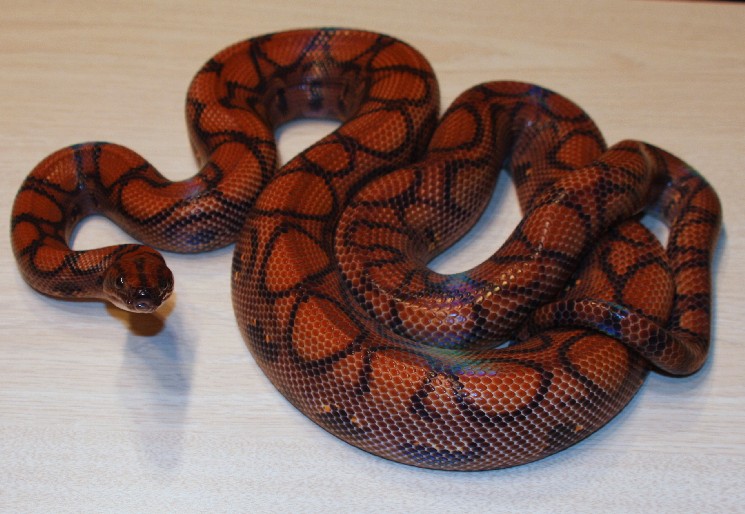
144	301
144	306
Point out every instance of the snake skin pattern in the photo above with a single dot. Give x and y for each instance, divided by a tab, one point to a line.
509	362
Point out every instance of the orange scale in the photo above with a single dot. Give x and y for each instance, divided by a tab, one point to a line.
214	118
47	259
29	200
593	282
321	329
556	227
651	290
91	260
387	235
421	217
622	257
457	128
688	281
578	148
389	186
512	388
696	321
366	129
474	185
137	196
386	278
280	53
706	200
439	398
393	54
240	69
693	234
390	87
292	259
594	355
347	48
231	155
395	378
281	314
328	155
301	192
113	162
24	234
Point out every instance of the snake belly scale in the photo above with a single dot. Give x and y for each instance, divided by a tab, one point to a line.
509	362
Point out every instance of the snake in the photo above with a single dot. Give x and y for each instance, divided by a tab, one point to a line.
506	363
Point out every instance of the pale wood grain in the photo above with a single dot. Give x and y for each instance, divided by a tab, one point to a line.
99	412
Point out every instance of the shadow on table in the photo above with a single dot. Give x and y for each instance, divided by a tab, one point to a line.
155	382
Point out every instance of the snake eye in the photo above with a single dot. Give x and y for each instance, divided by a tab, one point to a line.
119	282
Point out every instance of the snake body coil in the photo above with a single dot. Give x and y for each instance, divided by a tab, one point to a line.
514	360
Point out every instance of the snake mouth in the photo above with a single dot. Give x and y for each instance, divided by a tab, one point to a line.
147	300
142	300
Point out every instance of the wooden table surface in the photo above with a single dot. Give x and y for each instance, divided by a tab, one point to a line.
101	411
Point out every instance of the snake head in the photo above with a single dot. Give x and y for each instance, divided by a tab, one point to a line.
138	280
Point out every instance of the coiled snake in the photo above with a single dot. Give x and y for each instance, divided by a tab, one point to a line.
516	359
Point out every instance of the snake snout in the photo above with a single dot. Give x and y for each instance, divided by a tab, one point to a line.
146	300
